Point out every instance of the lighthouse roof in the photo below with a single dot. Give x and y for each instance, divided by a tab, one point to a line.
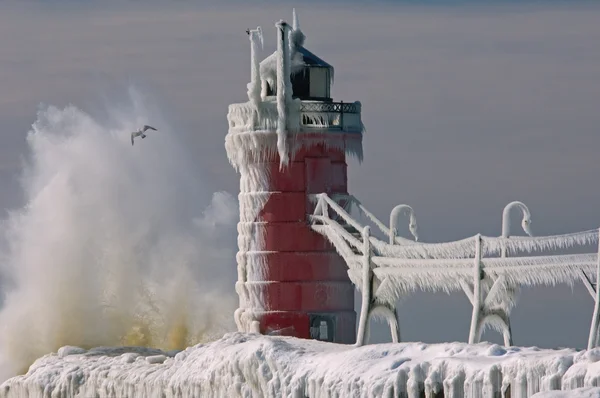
301	57
311	59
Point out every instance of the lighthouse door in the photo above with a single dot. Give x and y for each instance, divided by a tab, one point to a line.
322	327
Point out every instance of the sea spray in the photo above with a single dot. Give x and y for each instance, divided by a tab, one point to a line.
115	244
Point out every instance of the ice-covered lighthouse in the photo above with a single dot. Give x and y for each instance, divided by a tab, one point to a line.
290	140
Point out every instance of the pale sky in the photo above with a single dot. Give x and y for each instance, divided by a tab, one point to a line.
467	107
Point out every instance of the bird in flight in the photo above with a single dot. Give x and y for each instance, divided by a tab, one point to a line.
141	132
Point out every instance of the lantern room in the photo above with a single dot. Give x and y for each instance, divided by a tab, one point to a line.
311	78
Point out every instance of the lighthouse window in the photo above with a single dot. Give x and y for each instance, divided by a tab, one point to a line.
270	90
301	84
319	85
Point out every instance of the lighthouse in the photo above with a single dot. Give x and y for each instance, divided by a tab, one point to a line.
288	142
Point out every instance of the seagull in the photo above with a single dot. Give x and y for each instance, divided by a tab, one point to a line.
141	132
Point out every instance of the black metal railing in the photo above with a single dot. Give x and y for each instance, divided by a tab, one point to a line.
327	114
333	107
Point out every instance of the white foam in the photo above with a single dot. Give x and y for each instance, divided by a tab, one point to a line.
115	244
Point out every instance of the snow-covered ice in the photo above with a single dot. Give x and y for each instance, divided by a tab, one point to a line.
252	365
591	392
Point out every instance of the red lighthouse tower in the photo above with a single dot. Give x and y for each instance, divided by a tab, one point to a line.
288	142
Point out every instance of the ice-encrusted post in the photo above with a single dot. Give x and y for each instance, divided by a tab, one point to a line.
254	87
284	88
295	21
593	338
475	325
363	323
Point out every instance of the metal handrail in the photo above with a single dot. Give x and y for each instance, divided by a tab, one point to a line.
333	107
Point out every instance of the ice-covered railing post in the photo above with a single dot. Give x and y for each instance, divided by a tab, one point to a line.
506	224
502	295
363	323
592	289
394	221
475	330
593	338
288	143
512	291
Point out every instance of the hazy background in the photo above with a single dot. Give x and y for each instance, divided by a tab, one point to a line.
467	106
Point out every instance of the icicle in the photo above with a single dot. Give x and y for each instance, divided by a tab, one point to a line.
539	244
434	381
459	249
414	385
454	384
492	382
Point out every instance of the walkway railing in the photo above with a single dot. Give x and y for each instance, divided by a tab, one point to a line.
331	115
487	269
335	116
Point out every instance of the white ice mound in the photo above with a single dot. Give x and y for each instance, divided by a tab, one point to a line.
70	350
250	365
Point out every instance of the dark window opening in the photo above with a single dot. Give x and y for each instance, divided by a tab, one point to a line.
301	84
